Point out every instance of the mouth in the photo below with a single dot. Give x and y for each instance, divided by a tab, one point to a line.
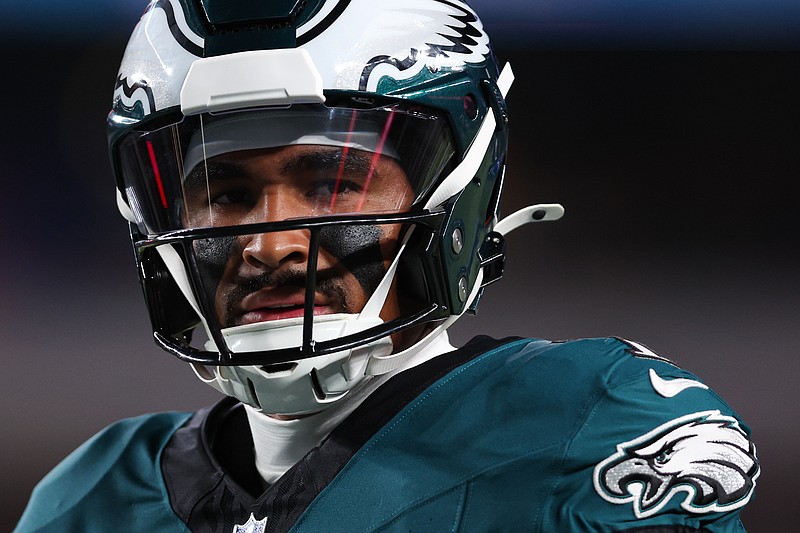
276	304
266	314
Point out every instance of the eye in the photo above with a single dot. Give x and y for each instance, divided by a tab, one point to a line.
331	187
235	196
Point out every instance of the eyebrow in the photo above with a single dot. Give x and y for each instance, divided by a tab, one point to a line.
213	171
354	162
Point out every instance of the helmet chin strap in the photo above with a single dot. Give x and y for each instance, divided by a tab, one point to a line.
382	364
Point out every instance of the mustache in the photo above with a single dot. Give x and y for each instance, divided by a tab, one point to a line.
332	287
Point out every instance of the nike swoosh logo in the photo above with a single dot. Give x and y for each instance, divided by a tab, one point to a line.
669	388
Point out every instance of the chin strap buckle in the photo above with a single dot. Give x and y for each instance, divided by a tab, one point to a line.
493	257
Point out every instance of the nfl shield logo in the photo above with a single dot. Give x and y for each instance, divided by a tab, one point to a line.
252	525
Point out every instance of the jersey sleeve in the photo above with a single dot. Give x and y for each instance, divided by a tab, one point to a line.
658	451
112	482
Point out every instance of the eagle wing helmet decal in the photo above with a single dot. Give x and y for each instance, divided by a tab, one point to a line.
144	66
392	38
705	455
353	43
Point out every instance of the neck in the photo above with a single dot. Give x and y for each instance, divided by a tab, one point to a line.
281	441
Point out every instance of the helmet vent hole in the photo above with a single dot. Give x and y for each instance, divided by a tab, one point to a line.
278	370
470	107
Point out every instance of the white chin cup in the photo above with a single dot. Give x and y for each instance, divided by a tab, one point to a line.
295	387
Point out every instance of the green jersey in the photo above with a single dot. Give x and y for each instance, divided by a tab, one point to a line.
592	435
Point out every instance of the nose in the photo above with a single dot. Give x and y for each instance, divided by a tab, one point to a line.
277	249
280	248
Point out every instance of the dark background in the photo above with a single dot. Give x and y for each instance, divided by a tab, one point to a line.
670	137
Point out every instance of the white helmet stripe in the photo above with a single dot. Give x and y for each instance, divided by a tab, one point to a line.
466	170
175	266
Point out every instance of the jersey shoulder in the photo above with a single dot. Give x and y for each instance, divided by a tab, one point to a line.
584	370
97	485
653	445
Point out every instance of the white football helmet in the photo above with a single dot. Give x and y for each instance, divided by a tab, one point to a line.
312	187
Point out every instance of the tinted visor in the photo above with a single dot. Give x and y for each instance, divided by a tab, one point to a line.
280	164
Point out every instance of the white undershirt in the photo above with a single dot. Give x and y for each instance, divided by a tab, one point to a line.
279	444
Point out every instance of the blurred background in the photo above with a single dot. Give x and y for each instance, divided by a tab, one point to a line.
669	130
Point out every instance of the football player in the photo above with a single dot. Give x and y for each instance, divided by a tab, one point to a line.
312	189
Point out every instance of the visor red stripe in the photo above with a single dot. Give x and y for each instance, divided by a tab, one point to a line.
375	158
157	174
346	148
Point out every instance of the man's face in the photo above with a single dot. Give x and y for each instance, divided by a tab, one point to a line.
262	277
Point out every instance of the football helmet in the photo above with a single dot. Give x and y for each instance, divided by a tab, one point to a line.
312	186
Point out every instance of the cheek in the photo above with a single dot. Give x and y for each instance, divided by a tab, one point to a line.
213	256
358	248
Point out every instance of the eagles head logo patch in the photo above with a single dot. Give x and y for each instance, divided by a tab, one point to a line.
704	457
